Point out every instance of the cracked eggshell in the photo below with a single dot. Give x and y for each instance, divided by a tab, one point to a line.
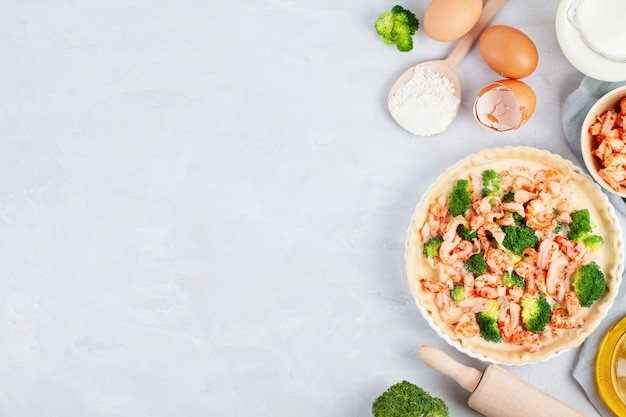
504	105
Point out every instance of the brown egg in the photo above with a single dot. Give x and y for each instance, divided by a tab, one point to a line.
448	20
504	105
508	51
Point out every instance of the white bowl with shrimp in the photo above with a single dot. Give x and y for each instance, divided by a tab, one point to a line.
603	150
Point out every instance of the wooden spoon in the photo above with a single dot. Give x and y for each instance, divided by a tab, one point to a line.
447	67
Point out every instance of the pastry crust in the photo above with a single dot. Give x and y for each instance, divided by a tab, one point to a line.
587	195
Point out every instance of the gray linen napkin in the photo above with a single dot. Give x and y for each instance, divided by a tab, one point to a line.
574	111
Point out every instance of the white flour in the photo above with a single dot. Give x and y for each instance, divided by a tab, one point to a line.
425	104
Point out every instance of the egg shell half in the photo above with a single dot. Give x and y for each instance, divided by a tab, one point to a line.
448	20
508	51
504	105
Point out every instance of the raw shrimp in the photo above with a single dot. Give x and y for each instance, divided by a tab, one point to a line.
487	286
515	293
548	182
604	124
569	317
497	260
475	185
476	221
455	250
435	221
617	159
436	286
539	216
473	305
608	147
571	303
516	178
507	220
610	134
546	253
511	329
523	196
551	260
467	325
444	305
549	333
515	207
496	232
454	272
614	176
453	247
576	252
527	268
450	228
485	205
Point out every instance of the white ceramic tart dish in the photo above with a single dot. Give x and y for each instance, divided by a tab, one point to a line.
584	195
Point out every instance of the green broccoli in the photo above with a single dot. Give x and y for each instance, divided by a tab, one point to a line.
508	197
512	279
519	219
589	284
476	264
431	247
488	322
581	225
466	233
535	313
559	224
460	198
593	242
397	27
405	399
491	183
518	238
457	293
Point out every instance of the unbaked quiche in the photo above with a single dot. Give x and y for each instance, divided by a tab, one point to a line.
514	255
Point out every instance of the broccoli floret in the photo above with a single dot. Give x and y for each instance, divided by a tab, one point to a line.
559	224
488	322
466	233
476	264
508	197
519	219
535	313
397	27
431	247
581	225
593	242
457	293
512	279
519	238
589	284
405	399
491	183
460	198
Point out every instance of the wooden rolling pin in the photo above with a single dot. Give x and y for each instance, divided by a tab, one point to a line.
497	392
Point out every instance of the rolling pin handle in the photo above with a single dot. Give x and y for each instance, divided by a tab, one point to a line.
466	376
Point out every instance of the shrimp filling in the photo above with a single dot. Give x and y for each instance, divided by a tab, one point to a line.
510	260
609	133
